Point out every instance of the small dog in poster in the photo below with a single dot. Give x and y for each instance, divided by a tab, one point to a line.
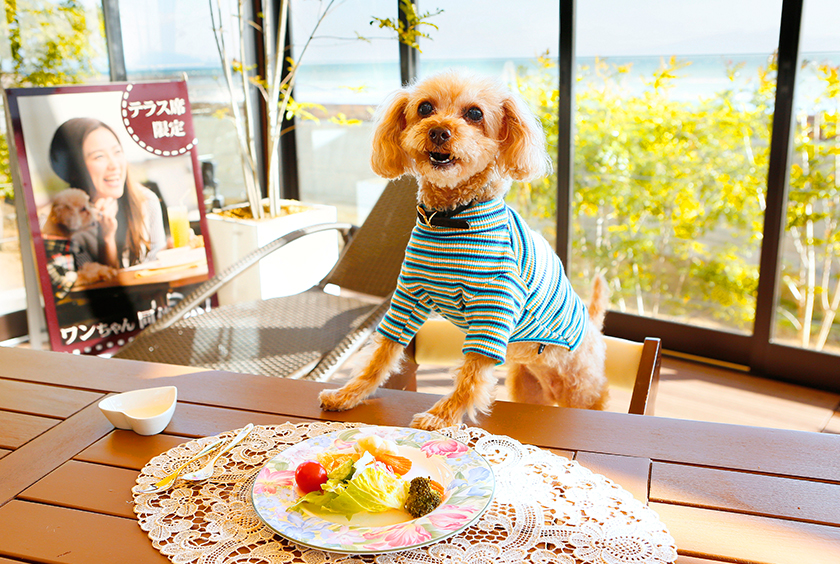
71	215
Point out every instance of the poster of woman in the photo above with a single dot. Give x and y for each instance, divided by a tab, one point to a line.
112	187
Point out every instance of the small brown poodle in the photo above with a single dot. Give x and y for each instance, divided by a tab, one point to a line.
473	260
71	214
70	211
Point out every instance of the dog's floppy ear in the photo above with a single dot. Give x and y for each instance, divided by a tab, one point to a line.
387	158
59	211
522	154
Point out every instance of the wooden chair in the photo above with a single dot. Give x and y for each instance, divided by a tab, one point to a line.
632	368
306	335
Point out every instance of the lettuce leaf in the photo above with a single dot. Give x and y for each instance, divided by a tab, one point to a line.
371	489
343	472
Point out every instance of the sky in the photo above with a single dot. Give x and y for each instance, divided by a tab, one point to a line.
523	28
159	30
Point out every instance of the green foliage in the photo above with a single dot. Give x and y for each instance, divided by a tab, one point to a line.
275	87
669	195
6	187
408	33
811	287
50	44
537	200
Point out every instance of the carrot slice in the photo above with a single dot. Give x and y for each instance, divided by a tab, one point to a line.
400	464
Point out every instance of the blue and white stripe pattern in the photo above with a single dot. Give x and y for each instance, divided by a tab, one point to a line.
498	281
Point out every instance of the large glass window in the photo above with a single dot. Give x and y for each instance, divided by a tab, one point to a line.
672	133
527	64
42	43
346	70
175	40
809	296
674	107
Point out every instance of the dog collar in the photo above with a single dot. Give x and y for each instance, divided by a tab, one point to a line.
446	218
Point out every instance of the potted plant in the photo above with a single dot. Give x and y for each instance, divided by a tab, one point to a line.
236	233
275	88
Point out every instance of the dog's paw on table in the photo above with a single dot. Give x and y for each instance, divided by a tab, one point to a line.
430	422
337	400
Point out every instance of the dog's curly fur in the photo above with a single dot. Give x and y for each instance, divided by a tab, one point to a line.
476	155
70	211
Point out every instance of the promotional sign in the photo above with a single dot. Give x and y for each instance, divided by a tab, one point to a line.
112	187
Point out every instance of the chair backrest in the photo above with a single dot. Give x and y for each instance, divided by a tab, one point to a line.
371	262
631	368
438	343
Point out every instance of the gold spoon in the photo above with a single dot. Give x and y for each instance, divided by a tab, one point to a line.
207	471
164	483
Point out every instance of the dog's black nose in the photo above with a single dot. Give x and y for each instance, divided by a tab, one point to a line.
439	135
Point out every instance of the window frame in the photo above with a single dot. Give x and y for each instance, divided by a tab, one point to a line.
757	352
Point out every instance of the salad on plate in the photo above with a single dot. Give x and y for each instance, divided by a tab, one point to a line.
367	477
373	490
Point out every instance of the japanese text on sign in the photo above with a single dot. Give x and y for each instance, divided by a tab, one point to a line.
83	332
162	128
174	128
173	107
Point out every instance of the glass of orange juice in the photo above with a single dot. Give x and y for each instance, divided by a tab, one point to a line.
179	225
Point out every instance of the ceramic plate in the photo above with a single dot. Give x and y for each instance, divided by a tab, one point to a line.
466	476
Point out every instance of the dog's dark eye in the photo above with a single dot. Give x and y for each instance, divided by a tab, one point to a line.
425	108
474	114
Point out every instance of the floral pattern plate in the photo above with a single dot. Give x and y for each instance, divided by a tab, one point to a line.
466	476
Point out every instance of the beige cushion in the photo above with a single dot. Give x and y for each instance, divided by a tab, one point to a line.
439	343
622	363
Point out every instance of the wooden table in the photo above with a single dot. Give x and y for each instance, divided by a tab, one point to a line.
725	492
175	276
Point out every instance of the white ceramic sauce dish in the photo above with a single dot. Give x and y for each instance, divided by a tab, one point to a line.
146	412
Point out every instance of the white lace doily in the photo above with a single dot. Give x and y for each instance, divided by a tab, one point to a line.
546	509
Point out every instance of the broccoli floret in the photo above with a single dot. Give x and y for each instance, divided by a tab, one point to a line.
422	499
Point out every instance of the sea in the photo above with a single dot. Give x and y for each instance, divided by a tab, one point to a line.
368	84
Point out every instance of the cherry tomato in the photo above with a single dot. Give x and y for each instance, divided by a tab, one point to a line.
310	475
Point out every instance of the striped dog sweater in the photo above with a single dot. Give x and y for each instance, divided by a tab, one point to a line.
496	279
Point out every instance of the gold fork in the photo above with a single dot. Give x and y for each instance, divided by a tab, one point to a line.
165	483
207	471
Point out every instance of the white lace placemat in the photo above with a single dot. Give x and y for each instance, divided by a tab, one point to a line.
546	509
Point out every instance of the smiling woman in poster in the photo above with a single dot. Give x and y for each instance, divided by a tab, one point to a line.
87	154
